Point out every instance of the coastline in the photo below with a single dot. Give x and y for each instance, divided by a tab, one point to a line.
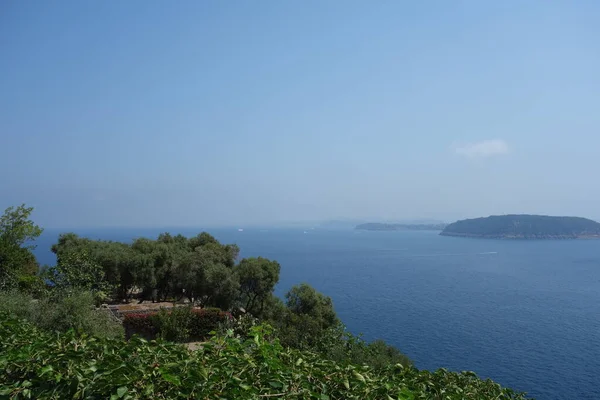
520	237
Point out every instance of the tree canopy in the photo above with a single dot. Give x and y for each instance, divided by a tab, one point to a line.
17	233
258	277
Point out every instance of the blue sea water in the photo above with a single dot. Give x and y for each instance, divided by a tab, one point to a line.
523	313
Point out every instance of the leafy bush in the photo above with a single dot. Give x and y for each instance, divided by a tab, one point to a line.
62	312
239	326
32	284
34	364
339	345
177	324
174	324
77	271
305	332
21	305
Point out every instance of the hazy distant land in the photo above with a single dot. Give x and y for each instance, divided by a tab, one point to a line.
524	227
376	226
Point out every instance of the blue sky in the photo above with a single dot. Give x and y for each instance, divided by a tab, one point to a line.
198	113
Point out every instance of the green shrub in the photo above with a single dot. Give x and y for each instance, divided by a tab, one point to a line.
174	324
32	284
178	324
76	311
239	327
21	305
37	365
61	312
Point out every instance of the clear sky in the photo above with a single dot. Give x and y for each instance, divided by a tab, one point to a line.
196	113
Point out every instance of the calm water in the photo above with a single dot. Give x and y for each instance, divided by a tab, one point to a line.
524	313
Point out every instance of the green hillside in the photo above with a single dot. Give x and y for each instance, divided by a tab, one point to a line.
39	365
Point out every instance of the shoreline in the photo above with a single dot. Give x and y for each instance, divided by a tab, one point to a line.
520	237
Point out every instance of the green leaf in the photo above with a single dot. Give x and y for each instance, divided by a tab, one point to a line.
346	383
358	376
173	379
121	391
276	384
46	369
406	394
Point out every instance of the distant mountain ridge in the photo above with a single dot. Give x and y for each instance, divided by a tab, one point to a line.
376	226
524	226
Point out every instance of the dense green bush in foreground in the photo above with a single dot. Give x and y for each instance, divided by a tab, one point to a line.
40	365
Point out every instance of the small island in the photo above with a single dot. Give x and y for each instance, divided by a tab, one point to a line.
376	226
525	227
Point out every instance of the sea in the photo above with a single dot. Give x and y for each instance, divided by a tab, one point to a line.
523	313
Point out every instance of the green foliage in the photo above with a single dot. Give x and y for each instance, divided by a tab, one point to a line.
239	326
77	311
61	312
17	232
307	316
34	364
77	271
177	324
308	322
16	227
174	324
19	304
221	286
199	268
117	261
339	345
305	300
205	321
32	284
257	277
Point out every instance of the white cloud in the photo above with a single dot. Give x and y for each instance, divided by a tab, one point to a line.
484	149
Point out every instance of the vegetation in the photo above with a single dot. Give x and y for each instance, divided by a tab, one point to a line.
56	343
39	365
60	312
525	227
180	324
375	226
17	262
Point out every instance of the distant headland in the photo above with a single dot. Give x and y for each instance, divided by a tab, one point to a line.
524	227
376	226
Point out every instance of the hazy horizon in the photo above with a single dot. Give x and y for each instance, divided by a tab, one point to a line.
147	114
